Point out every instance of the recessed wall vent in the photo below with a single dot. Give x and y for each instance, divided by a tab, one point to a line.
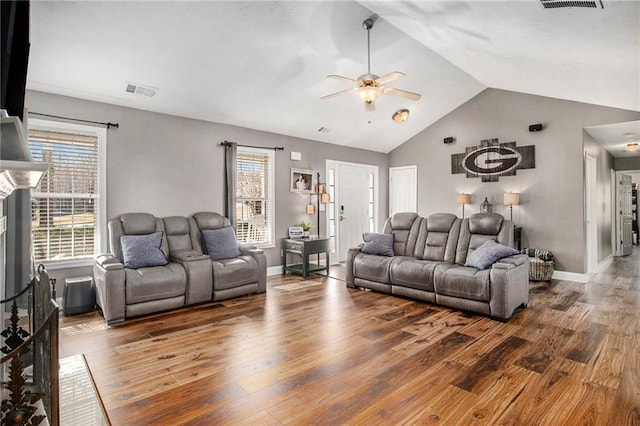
139	89
554	4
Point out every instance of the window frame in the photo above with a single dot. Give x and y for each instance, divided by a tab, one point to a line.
271	210
100	239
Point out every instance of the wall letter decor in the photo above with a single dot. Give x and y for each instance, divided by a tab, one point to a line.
491	160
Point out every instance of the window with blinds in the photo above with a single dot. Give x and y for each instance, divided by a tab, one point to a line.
254	196
64	206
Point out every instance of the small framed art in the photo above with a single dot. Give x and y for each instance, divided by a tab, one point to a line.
301	181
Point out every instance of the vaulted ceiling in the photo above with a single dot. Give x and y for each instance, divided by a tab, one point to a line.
263	65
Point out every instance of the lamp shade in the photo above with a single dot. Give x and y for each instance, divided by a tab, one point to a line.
511	198
311	209
324	197
463	198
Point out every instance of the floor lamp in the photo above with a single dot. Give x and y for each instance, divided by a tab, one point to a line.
511	199
463	199
322	196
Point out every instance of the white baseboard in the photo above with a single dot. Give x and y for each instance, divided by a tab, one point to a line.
274	270
582	278
605	263
570	276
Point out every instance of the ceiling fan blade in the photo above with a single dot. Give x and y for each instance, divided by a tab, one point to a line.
342	92
399	92
390	77
370	106
343	78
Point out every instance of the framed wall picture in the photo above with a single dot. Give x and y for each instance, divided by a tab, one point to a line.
301	181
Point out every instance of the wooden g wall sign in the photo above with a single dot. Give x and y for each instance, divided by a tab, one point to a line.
491	160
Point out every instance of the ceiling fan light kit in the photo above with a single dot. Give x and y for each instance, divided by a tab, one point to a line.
369	86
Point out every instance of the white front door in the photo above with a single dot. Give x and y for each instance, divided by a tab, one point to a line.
355	207
403	189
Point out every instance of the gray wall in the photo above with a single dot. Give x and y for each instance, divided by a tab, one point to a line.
168	165
551	209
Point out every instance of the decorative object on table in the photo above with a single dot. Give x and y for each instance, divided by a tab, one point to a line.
511	199
541	264
491	159
306	227
463	199
301	181
296	232
486	206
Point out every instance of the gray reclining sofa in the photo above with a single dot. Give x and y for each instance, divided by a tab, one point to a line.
428	264
180	273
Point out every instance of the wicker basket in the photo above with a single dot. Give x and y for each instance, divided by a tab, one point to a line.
541	264
540	270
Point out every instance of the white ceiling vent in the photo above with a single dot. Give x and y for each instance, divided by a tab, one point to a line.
554	4
139	89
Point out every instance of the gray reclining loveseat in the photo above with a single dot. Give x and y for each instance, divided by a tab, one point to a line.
156	264
428	264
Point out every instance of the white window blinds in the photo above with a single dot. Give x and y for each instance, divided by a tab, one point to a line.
253	196
64	206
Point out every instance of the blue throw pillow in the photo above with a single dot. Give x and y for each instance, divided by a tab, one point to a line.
142	251
488	254
221	243
380	244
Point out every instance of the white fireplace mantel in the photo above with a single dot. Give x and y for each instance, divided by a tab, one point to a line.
17	171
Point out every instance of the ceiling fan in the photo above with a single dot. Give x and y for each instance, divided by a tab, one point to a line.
369	86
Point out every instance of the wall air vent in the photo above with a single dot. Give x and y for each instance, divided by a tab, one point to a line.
139	89
554	4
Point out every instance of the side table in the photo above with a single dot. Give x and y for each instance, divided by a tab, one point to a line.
303	248
517	237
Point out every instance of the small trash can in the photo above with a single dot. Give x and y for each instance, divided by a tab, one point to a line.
79	296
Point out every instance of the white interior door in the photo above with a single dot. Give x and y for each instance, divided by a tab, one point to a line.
403	189
625	215
356	190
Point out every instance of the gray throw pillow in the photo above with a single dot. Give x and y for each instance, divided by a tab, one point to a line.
142	251
488	254
221	243
380	244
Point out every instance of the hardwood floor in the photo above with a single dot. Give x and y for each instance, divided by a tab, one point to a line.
325	354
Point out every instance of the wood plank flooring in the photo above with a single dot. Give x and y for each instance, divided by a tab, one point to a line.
325	354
